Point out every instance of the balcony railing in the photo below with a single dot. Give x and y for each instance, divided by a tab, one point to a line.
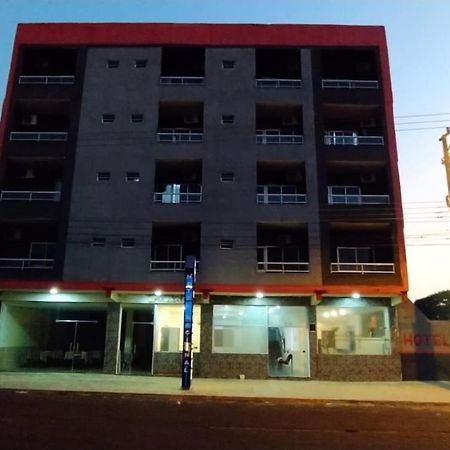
278	83
31	195
278	137
278	195
280	259
46	79
362	268
351	138
179	135
181	81
282	266
351	199
179	193
169	266
38	136
26	263
349	84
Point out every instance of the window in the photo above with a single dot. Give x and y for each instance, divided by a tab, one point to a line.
240	329
140	63
137	118
113	63
169	332
226	244
227	119
354	255
98	242
132	176
228	64
353	330
103	176
128	242
227	177
108	118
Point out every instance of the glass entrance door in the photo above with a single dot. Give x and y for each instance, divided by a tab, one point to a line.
288	344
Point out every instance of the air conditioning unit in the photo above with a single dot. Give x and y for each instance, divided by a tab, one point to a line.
191	119
29	119
290	120
369	177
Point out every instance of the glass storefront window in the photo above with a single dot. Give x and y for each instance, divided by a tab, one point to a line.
240	329
356	330
169	328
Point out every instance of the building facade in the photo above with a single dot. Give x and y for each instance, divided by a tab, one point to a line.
266	151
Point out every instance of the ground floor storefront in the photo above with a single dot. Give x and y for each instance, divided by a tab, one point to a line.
256	337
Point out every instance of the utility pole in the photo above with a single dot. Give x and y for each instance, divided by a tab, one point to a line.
445	139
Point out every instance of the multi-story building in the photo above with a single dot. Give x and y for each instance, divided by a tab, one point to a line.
266	151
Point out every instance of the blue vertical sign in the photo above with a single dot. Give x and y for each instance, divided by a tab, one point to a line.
189	281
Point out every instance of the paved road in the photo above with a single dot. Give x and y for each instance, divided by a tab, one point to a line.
84	421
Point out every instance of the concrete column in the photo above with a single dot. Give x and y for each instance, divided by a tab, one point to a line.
111	362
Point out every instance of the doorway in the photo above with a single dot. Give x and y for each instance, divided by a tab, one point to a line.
136	341
288	346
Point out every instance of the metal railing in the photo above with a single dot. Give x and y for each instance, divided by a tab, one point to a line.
182	196
31	195
351	138
362	267
350	84
179	135
353	199
169	266
181	81
278	137
278	83
46	79
38	136
282	266
26	263
280	198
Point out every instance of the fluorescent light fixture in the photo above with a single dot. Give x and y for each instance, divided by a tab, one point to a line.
259	295
54	290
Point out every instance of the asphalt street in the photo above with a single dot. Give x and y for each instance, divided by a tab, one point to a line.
84	421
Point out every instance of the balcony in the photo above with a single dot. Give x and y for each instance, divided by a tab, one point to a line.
38	136
272	259
279	124
351	138
171	243
362	268
180	123
179	193
349	69
48	66
182	66
41	255
279	195
349	84
282	248
351	195
278	68
54	196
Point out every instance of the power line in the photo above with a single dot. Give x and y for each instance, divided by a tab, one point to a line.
422	115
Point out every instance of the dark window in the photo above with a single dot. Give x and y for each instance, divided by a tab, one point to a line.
227	176
113	63
140	63
132	176
98	242
128	242
108	118
103	176
226	244
227	119
227	64
137	118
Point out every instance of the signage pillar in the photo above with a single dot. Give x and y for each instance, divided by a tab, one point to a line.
189	294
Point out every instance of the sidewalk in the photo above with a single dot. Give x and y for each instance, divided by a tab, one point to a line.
406	391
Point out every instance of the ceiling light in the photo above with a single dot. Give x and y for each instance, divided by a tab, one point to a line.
53	290
356	295
158	292
259	295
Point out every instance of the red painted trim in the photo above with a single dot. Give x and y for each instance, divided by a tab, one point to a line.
246	289
198	34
